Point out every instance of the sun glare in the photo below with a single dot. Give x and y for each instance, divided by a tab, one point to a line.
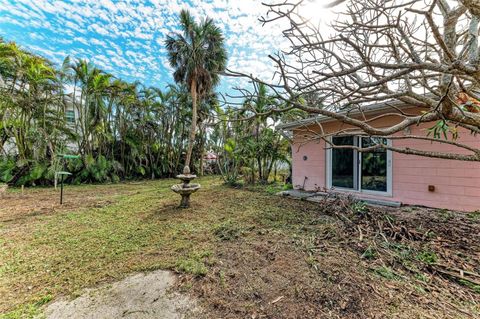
316	11
313	10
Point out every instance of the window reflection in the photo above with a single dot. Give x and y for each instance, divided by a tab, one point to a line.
374	165
343	163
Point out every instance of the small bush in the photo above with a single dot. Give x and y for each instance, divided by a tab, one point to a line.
248	175
7	170
192	266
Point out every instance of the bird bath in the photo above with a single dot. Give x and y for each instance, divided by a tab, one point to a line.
185	189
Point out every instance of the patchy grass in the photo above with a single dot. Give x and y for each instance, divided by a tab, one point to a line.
369	253
470	285
29	310
195	264
228	230
387	273
428	257
59	251
242	252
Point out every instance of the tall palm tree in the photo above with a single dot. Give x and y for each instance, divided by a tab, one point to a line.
95	87
198	55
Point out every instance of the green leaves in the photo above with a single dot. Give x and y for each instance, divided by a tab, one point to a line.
249	144
7	167
37	172
120	129
97	170
197	53
441	128
230	146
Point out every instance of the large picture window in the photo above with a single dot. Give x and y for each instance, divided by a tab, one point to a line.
360	171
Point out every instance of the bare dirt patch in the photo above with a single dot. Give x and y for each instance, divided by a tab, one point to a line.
139	296
346	260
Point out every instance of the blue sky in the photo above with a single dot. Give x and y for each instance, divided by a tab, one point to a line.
126	38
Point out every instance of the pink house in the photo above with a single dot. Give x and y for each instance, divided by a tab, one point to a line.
383	175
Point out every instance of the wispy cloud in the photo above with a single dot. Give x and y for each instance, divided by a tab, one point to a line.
126	39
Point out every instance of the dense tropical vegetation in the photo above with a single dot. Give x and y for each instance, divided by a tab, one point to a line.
247	139
120	129
127	130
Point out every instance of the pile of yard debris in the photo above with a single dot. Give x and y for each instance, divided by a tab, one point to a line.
341	258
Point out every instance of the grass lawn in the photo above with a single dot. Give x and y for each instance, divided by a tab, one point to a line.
243	253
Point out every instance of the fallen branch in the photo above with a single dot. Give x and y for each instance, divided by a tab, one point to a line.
455	275
277	300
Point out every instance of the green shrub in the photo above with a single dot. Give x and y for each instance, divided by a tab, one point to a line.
37	174
7	168
95	170
192	266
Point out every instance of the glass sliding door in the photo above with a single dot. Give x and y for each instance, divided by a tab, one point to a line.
374	166
361	171
343	163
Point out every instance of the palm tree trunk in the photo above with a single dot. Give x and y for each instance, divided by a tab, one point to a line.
193	128
259	160
203	128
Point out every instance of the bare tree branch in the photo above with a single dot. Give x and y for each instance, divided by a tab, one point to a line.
423	54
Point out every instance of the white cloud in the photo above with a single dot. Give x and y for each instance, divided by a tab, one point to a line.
97	42
71	25
98	29
128	37
81	40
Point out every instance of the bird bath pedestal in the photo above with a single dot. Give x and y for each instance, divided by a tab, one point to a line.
185	189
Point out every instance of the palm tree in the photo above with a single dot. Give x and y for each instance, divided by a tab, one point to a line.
94	87
198	55
259	106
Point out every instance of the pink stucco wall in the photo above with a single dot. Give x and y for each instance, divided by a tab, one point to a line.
457	183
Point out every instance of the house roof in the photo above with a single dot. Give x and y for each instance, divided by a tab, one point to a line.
370	108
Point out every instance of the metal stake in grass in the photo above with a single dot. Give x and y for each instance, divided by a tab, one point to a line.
63	173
